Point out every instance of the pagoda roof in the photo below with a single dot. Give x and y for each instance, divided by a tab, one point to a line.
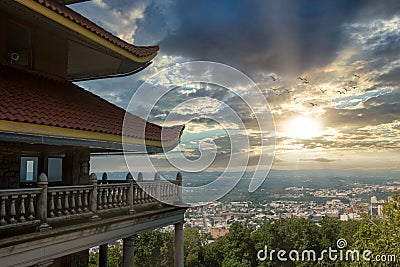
35	106
66	12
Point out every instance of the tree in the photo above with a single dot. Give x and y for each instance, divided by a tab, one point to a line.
239	247
381	237
154	248
194	243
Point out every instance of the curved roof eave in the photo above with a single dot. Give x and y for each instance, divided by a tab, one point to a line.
74	21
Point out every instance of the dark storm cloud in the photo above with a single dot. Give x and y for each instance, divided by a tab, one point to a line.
392	75
375	111
269	35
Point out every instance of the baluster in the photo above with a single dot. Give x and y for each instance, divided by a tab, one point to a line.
152	193
66	203
51	204
99	199
170	191
3	211
73	205
12	210
164	196
79	202
135	199
149	193
105	199
118	196
139	188
22	209
123	196
143	194
110	197
31	208
139	194
59	204
115	196
85	200
146	189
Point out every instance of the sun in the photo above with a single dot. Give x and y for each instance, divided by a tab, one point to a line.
303	127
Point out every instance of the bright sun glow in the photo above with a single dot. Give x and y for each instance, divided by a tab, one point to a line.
303	127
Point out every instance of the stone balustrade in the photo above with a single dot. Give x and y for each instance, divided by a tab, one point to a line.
66	202
18	207
43	206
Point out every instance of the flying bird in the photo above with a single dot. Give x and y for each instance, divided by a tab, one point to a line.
313	104
304	80
340	92
322	90
273	78
356	75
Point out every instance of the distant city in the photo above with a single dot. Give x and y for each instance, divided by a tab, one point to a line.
287	194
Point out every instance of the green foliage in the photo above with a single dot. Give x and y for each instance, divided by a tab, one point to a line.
382	237
194	247
154	249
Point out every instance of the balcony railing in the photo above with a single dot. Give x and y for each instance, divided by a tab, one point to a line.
43	206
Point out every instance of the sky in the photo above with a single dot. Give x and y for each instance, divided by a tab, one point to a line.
329	70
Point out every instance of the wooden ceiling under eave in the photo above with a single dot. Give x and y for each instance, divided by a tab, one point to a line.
92	52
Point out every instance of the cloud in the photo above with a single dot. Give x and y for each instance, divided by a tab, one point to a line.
120	20
347	50
325	160
283	36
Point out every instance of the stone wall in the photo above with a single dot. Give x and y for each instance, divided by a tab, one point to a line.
10	158
75	163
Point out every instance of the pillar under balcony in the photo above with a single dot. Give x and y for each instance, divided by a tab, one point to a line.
178	243
103	255
128	251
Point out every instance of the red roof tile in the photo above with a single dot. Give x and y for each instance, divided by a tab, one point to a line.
139	51
25	97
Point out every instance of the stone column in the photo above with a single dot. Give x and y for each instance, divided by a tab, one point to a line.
93	197
103	255
128	251
130	192
41	212
178	243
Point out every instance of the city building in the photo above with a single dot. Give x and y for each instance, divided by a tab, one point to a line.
376	207
52	209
